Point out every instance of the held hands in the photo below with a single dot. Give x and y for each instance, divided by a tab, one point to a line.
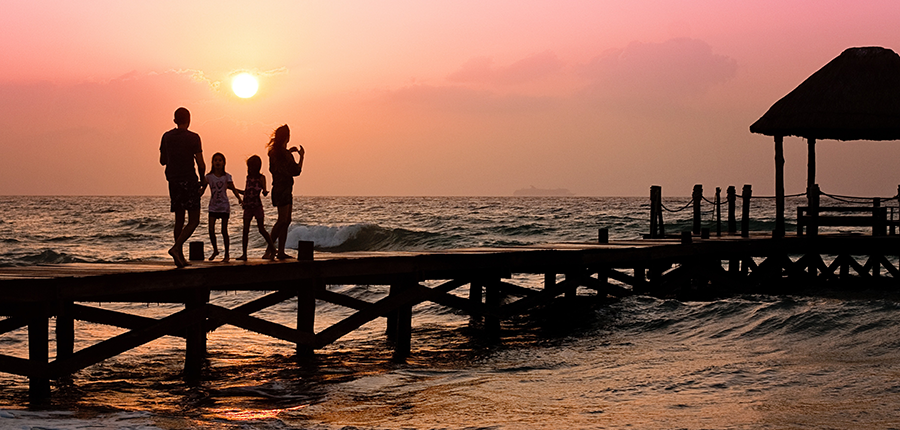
265	193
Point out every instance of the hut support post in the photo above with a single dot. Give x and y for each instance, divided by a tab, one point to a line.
779	187
746	195
697	196
731	196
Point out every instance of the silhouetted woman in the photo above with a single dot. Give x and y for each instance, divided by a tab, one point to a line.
283	169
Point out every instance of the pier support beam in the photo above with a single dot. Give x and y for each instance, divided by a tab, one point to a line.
38	355
492	299
306	315
400	330
195	339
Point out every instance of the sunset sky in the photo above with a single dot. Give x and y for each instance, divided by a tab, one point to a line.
445	98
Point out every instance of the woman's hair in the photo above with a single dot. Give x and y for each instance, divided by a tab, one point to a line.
254	164
279	137
212	166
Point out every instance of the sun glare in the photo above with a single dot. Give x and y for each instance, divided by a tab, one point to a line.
244	85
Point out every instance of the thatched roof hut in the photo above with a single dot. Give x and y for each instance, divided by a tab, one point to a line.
856	96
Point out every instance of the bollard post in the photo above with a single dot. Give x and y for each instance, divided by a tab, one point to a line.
195	251
305	250
603	235
686	237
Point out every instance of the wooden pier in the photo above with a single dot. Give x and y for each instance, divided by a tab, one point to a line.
476	281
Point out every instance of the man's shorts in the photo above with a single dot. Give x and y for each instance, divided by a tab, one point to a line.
184	195
282	196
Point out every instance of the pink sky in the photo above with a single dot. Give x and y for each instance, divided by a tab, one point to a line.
430	97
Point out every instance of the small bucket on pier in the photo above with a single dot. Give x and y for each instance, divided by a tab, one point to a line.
195	251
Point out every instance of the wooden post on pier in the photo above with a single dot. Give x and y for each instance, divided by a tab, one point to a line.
657	230
746	195
697	197
718	211
731	196
306	315
38	355
195	339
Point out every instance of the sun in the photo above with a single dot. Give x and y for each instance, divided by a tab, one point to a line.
244	85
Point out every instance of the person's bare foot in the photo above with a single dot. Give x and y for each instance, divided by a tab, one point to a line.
214	254
269	255
243	257
179	260
284	256
226	258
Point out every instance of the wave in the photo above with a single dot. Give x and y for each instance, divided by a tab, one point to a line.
49	256
783	320
364	237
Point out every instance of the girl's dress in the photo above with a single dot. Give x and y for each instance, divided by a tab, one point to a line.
218	199
253	207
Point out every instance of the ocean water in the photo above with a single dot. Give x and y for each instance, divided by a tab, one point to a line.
753	361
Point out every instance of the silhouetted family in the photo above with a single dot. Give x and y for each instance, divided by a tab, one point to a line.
180	149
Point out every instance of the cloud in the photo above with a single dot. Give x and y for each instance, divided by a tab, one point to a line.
462	99
674	70
529	69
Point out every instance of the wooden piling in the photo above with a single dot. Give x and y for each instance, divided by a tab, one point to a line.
718	212
306	315
746	195
492	299
603	235
38	355
657	230
697	198
403	332
732	198
195	338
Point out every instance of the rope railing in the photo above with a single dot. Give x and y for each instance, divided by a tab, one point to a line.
712	210
677	210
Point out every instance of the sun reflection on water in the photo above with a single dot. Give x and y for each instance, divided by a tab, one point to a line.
231	414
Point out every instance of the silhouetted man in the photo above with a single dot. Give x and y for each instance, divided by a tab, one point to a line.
178	151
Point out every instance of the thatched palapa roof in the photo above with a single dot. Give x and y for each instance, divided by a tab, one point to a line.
856	96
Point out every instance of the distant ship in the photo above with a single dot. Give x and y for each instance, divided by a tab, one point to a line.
532	191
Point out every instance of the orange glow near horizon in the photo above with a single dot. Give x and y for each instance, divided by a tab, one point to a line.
429	98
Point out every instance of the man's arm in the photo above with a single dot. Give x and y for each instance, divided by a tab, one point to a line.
201	167
162	153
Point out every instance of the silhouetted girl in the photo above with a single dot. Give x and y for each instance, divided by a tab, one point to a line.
283	169
253	208
219	205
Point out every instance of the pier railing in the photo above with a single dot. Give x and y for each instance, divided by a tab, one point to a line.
876	213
